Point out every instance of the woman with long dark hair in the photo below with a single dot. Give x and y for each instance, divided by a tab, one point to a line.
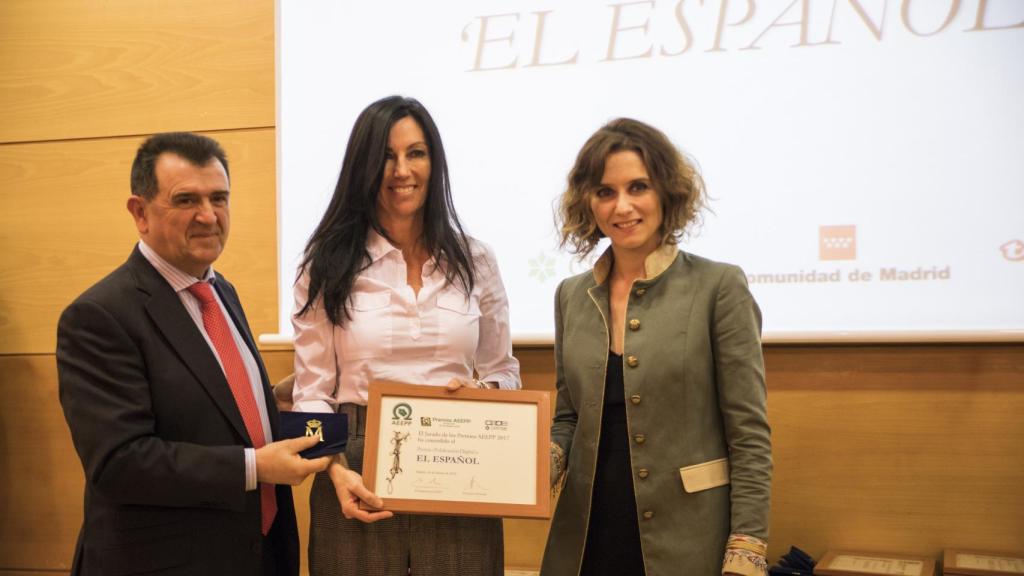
391	288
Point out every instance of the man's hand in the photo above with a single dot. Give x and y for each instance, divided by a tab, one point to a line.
349	486
279	462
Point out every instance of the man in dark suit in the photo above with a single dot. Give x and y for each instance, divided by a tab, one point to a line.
166	397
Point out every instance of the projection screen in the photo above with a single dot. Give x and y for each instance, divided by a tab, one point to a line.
864	157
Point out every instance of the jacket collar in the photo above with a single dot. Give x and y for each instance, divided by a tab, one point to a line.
655	263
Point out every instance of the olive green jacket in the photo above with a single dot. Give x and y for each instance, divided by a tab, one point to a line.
694	383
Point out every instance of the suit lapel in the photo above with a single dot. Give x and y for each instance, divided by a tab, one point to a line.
172	320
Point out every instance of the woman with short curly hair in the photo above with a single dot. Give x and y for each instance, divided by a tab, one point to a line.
660	438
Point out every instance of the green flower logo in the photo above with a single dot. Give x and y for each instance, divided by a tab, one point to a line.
542	267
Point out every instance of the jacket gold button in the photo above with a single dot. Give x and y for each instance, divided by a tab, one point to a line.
634	324
643	473
648	514
640	438
635	398
633	361
641	291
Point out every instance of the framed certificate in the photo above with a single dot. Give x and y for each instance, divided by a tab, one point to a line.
471	452
836	563
976	563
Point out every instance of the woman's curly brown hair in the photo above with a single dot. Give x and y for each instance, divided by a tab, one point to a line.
674	176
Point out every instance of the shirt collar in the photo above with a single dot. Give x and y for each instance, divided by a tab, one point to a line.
176	278
377	245
655	263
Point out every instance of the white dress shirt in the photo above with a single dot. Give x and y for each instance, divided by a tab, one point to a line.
395	334
180	281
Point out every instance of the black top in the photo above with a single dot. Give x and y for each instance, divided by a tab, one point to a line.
613	535
614	432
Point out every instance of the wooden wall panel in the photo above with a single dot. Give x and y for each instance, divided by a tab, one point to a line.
41	480
64	226
897	448
95	68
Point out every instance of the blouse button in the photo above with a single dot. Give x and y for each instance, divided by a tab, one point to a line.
634	324
640	438
643	473
635	399
641	291
632	361
648	514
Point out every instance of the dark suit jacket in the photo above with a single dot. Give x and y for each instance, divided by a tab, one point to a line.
160	436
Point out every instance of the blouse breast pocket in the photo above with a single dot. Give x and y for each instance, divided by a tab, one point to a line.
368	333
459	320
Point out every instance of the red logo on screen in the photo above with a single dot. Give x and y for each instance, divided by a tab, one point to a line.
1013	250
837	242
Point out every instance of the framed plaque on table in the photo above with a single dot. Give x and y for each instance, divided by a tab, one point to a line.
471	452
839	563
956	562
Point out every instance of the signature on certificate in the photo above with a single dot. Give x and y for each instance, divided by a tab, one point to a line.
475	487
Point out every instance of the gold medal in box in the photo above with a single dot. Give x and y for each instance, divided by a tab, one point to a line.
331	429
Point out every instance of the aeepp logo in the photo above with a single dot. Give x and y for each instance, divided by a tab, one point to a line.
401	411
425	421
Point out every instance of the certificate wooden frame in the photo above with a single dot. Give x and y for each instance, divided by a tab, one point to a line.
410	406
950	565
830	562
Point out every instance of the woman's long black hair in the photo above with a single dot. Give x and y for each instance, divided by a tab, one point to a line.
336	252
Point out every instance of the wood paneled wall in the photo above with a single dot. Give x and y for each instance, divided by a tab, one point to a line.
893	448
98	68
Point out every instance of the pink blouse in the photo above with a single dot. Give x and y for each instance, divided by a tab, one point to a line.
395	334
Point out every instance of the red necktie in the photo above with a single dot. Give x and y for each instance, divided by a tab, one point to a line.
238	379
